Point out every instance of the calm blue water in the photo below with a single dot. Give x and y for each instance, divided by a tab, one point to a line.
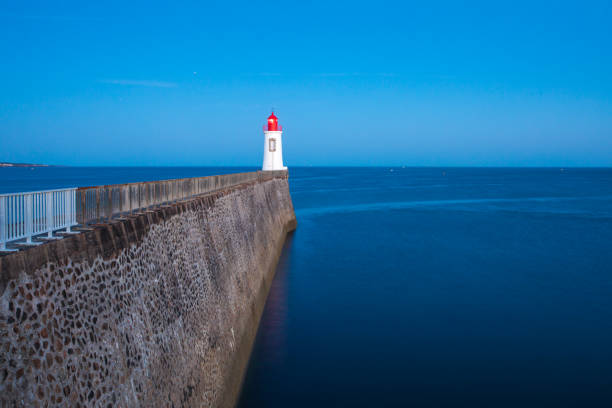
441	287
427	287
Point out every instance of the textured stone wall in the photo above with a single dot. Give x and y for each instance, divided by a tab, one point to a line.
158	309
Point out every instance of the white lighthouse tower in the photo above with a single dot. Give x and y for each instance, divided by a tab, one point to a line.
273	146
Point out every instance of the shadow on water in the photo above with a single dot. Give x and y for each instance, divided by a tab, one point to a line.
271	345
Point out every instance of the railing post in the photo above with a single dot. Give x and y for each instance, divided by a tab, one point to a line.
73	207
3	224
28	209
49	213
83	194
67	209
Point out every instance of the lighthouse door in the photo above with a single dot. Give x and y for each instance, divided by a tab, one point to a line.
272	145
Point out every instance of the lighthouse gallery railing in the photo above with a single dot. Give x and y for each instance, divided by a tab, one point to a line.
25	215
279	128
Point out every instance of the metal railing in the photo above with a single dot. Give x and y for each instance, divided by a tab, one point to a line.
25	215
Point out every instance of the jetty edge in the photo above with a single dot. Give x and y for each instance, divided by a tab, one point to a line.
152	307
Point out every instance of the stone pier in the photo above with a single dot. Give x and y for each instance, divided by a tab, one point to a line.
155	309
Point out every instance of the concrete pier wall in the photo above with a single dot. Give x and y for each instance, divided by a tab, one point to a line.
154	310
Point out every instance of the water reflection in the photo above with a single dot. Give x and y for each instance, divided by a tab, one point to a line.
273	329
270	352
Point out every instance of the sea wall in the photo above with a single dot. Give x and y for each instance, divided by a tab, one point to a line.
157	309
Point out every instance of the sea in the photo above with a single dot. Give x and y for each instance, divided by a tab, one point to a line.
426	287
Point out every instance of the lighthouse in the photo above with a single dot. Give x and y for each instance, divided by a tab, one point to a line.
273	146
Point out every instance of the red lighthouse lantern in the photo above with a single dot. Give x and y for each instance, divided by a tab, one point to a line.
273	149
272	123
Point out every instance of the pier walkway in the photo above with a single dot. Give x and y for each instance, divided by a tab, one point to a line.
30	218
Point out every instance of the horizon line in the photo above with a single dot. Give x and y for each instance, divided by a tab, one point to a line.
27	165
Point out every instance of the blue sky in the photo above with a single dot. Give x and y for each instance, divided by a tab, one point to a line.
353	83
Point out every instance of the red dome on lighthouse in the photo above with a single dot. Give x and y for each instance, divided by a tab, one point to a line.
272	123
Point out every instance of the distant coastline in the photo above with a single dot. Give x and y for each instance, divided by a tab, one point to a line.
23	165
